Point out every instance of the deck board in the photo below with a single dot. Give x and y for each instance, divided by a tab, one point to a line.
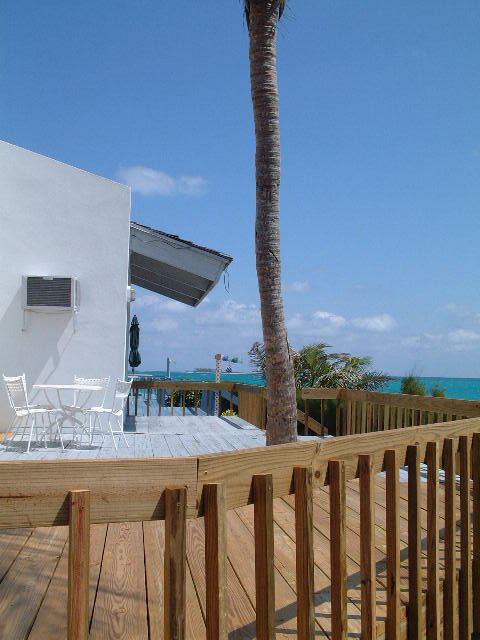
126	585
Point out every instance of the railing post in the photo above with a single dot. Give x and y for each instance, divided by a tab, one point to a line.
433	558
136	401
215	561
306	418
414	545
336	474
174	592
367	546
78	565
171	400
393	545
149	392
476	531
264	558
304	552
465	585
450	622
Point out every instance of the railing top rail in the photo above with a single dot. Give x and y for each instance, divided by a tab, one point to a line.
36	493
200	385
470	408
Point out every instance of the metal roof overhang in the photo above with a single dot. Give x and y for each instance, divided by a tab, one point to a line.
173	267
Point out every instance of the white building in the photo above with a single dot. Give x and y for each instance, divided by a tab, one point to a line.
66	237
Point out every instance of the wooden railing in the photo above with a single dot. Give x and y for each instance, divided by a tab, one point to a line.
367	411
248	400
82	492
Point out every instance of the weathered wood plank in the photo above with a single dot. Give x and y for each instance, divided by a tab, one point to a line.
23	588
414	545
393	545
51	620
336	471
121	608
264	553
175	587
78	566
367	546
465	584
433	558
476	531
304	552
450	623
215	561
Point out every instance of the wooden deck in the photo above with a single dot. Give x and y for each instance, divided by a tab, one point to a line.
126	573
154	436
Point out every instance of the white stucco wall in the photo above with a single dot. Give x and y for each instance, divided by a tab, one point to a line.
59	220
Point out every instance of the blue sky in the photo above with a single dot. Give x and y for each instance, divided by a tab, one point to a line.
380	129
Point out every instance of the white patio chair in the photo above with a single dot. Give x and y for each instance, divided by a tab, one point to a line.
25	413
122	391
84	410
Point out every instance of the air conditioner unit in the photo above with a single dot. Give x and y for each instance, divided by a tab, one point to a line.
50	294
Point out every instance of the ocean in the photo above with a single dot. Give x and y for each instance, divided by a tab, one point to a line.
468	388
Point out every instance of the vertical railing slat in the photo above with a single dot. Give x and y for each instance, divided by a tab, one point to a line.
450	621
78	565
264	558
174	591
465	585
215	561
433	557
414	545
476	531
393	545
366	471
304	552
336	473
306	417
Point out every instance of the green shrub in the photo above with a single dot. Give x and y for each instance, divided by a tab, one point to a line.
438	391
413	386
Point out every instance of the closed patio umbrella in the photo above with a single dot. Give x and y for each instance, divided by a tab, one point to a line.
134	359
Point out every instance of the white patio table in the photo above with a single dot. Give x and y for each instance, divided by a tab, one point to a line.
68	411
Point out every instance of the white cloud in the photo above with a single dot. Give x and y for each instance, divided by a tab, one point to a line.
299	286
151	182
382	322
160	305
230	313
330	318
459	336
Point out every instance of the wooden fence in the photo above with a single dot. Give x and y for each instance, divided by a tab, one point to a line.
367	411
248	400
82	492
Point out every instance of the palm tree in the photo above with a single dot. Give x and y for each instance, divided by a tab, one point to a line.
262	17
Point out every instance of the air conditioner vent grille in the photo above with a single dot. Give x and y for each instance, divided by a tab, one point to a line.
49	292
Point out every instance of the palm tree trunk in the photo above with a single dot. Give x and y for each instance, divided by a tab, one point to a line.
281	396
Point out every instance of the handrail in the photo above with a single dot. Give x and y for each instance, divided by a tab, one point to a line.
366	411
34	493
82	492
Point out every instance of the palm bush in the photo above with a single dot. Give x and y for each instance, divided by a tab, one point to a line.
313	366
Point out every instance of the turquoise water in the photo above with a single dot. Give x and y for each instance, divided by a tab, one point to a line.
468	388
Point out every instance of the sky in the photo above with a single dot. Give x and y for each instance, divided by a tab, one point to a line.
380	134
